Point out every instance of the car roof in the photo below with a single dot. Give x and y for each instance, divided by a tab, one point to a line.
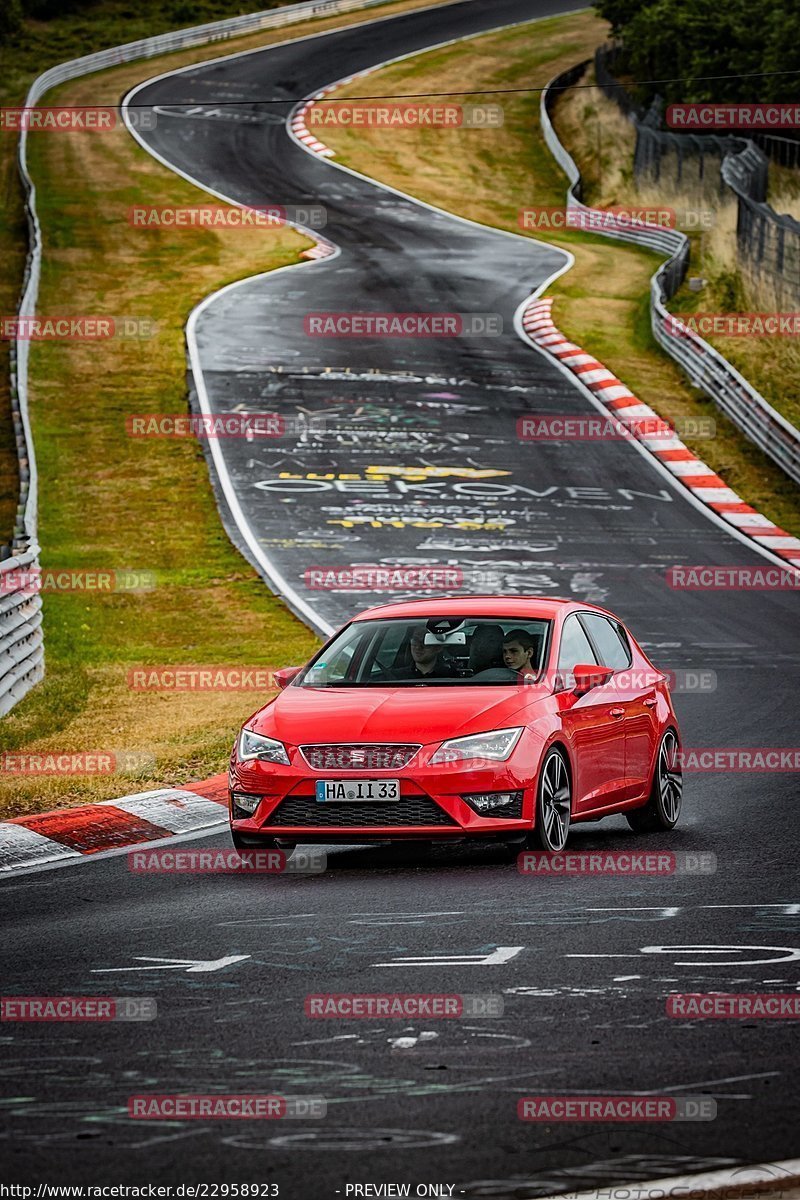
489	605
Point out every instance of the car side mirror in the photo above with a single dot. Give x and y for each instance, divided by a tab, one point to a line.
588	676
285	676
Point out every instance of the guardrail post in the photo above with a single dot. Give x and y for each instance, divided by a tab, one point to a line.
704	365
21	642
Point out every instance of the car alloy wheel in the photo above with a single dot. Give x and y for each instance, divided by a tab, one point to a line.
553	803
664	806
669	779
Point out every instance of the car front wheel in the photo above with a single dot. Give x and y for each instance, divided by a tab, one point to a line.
666	795
553	803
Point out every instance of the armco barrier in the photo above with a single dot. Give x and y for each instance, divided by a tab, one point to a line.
768	242
21	642
705	366
21	648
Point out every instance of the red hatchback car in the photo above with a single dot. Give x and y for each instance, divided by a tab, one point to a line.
443	719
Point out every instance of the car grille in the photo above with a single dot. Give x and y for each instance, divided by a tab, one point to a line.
307	811
367	756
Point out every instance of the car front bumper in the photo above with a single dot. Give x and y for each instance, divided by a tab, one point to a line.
431	804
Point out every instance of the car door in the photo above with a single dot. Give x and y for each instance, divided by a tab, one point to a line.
593	724
635	694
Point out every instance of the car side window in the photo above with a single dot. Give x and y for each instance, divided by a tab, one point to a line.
610	639
575	646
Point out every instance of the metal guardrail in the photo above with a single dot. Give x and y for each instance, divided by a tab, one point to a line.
21	644
768	242
784	151
21	640
705	366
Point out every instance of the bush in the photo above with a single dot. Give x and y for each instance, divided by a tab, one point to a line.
690	40
10	20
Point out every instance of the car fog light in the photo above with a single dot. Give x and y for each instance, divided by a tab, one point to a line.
501	804
246	803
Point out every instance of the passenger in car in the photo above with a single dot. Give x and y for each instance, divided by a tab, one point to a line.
518	648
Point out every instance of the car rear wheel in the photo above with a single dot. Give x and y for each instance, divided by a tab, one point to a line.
553	803
663	808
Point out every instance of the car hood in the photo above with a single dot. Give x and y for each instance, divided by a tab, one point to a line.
401	714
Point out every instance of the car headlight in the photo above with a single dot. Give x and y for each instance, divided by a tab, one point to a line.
496	745
255	745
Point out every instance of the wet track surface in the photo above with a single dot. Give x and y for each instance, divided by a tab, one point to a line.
591	1024
425	433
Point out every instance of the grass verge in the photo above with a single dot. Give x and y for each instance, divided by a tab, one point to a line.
602	142
108	502
491	175
41	44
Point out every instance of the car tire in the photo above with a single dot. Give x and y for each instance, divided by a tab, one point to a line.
553	803
663	807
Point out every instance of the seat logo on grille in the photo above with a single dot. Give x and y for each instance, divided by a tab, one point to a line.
358	757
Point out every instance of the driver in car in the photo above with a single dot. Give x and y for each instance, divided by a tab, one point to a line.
427	660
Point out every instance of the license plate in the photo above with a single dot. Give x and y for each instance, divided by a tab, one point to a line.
351	791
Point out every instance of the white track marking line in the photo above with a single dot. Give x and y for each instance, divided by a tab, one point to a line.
519	325
277	580
781	1174
688	494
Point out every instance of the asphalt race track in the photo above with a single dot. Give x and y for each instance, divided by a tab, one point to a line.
588	962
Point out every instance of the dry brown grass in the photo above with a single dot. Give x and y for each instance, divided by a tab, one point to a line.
109	502
601	139
603	302
708	214
784	190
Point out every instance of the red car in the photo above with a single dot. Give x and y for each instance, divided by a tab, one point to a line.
443	719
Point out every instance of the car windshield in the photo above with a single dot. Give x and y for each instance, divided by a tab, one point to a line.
442	651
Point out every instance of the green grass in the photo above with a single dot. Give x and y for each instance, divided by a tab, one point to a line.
108	501
105	500
38	45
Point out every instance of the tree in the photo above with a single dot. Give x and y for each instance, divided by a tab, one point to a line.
714	51
10	20
618	13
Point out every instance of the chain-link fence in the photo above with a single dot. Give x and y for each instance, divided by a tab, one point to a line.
783	151
706	367
768	243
